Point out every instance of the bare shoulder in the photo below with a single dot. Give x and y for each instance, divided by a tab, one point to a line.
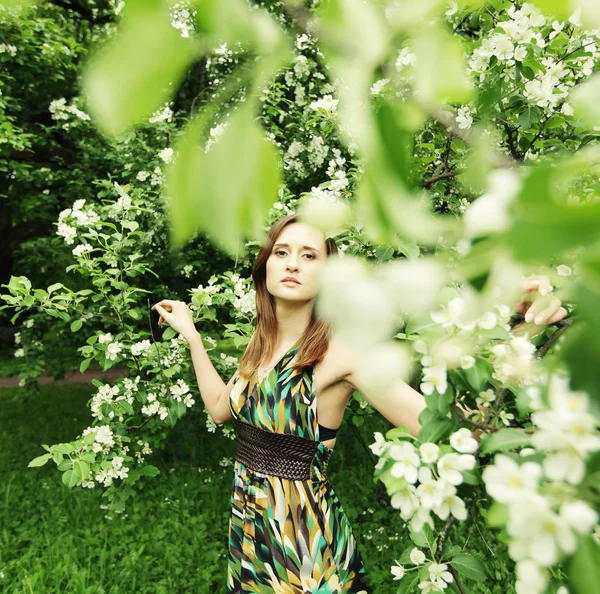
339	362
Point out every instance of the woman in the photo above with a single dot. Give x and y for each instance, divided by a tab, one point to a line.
288	532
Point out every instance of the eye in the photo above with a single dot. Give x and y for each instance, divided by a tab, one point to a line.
312	256
277	252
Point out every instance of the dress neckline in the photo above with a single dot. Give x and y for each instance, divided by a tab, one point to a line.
268	370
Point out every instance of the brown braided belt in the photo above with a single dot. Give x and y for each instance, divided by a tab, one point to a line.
276	454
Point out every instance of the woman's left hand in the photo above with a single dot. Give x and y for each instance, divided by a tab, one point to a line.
538	305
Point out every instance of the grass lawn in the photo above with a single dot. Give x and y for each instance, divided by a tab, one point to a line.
173	536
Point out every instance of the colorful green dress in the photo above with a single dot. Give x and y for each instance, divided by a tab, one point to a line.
287	536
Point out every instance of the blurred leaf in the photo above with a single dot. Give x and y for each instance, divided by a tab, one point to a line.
479	162
392	215
232	22
497	515
353	37
543	224
138	69
583	568
441	71
18	3
226	192
581	346
558	8
394	141
584	100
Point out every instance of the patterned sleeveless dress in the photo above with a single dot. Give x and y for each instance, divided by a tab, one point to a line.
287	536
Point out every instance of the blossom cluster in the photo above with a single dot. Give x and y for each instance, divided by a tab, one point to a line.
520	37
423	480
74	219
545	515
439	576
59	110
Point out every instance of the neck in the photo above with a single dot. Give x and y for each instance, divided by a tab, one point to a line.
292	320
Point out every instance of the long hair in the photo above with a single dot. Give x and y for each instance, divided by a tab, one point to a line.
315	340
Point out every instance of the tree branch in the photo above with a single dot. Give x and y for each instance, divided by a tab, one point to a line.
562	327
436	178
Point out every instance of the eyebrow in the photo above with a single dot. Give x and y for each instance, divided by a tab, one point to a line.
306	247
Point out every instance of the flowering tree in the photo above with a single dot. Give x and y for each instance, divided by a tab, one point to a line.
451	150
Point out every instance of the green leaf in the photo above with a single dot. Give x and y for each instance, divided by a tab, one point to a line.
504	439
81	469
137	69
479	375
54	287
440	403
84	365
469	566
409	583
529	116
436	430
70	479
76	325
400	432
423	538
39	461
583	568
149	471
169	333
471	476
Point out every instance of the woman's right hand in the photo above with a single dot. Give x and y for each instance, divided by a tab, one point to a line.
178	315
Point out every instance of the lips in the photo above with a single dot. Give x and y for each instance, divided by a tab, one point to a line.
289	278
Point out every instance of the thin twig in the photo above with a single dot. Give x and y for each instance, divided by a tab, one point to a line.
563	325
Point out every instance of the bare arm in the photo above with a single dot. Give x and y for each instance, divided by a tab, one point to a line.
399	403
213	390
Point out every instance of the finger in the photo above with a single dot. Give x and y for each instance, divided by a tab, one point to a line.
161	310
545	314
538	305
544	311
558	316
538	282
165	303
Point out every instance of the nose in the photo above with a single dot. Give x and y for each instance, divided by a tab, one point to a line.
291	264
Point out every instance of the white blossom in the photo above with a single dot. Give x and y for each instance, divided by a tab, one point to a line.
506	481
463	441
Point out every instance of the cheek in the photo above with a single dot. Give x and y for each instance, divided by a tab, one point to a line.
315	274
270	269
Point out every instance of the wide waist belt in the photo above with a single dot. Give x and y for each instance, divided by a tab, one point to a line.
277	454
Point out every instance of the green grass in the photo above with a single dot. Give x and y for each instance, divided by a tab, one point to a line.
173	536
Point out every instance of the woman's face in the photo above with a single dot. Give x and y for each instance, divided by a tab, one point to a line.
299	252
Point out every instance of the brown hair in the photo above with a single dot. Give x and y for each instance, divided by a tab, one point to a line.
315	340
